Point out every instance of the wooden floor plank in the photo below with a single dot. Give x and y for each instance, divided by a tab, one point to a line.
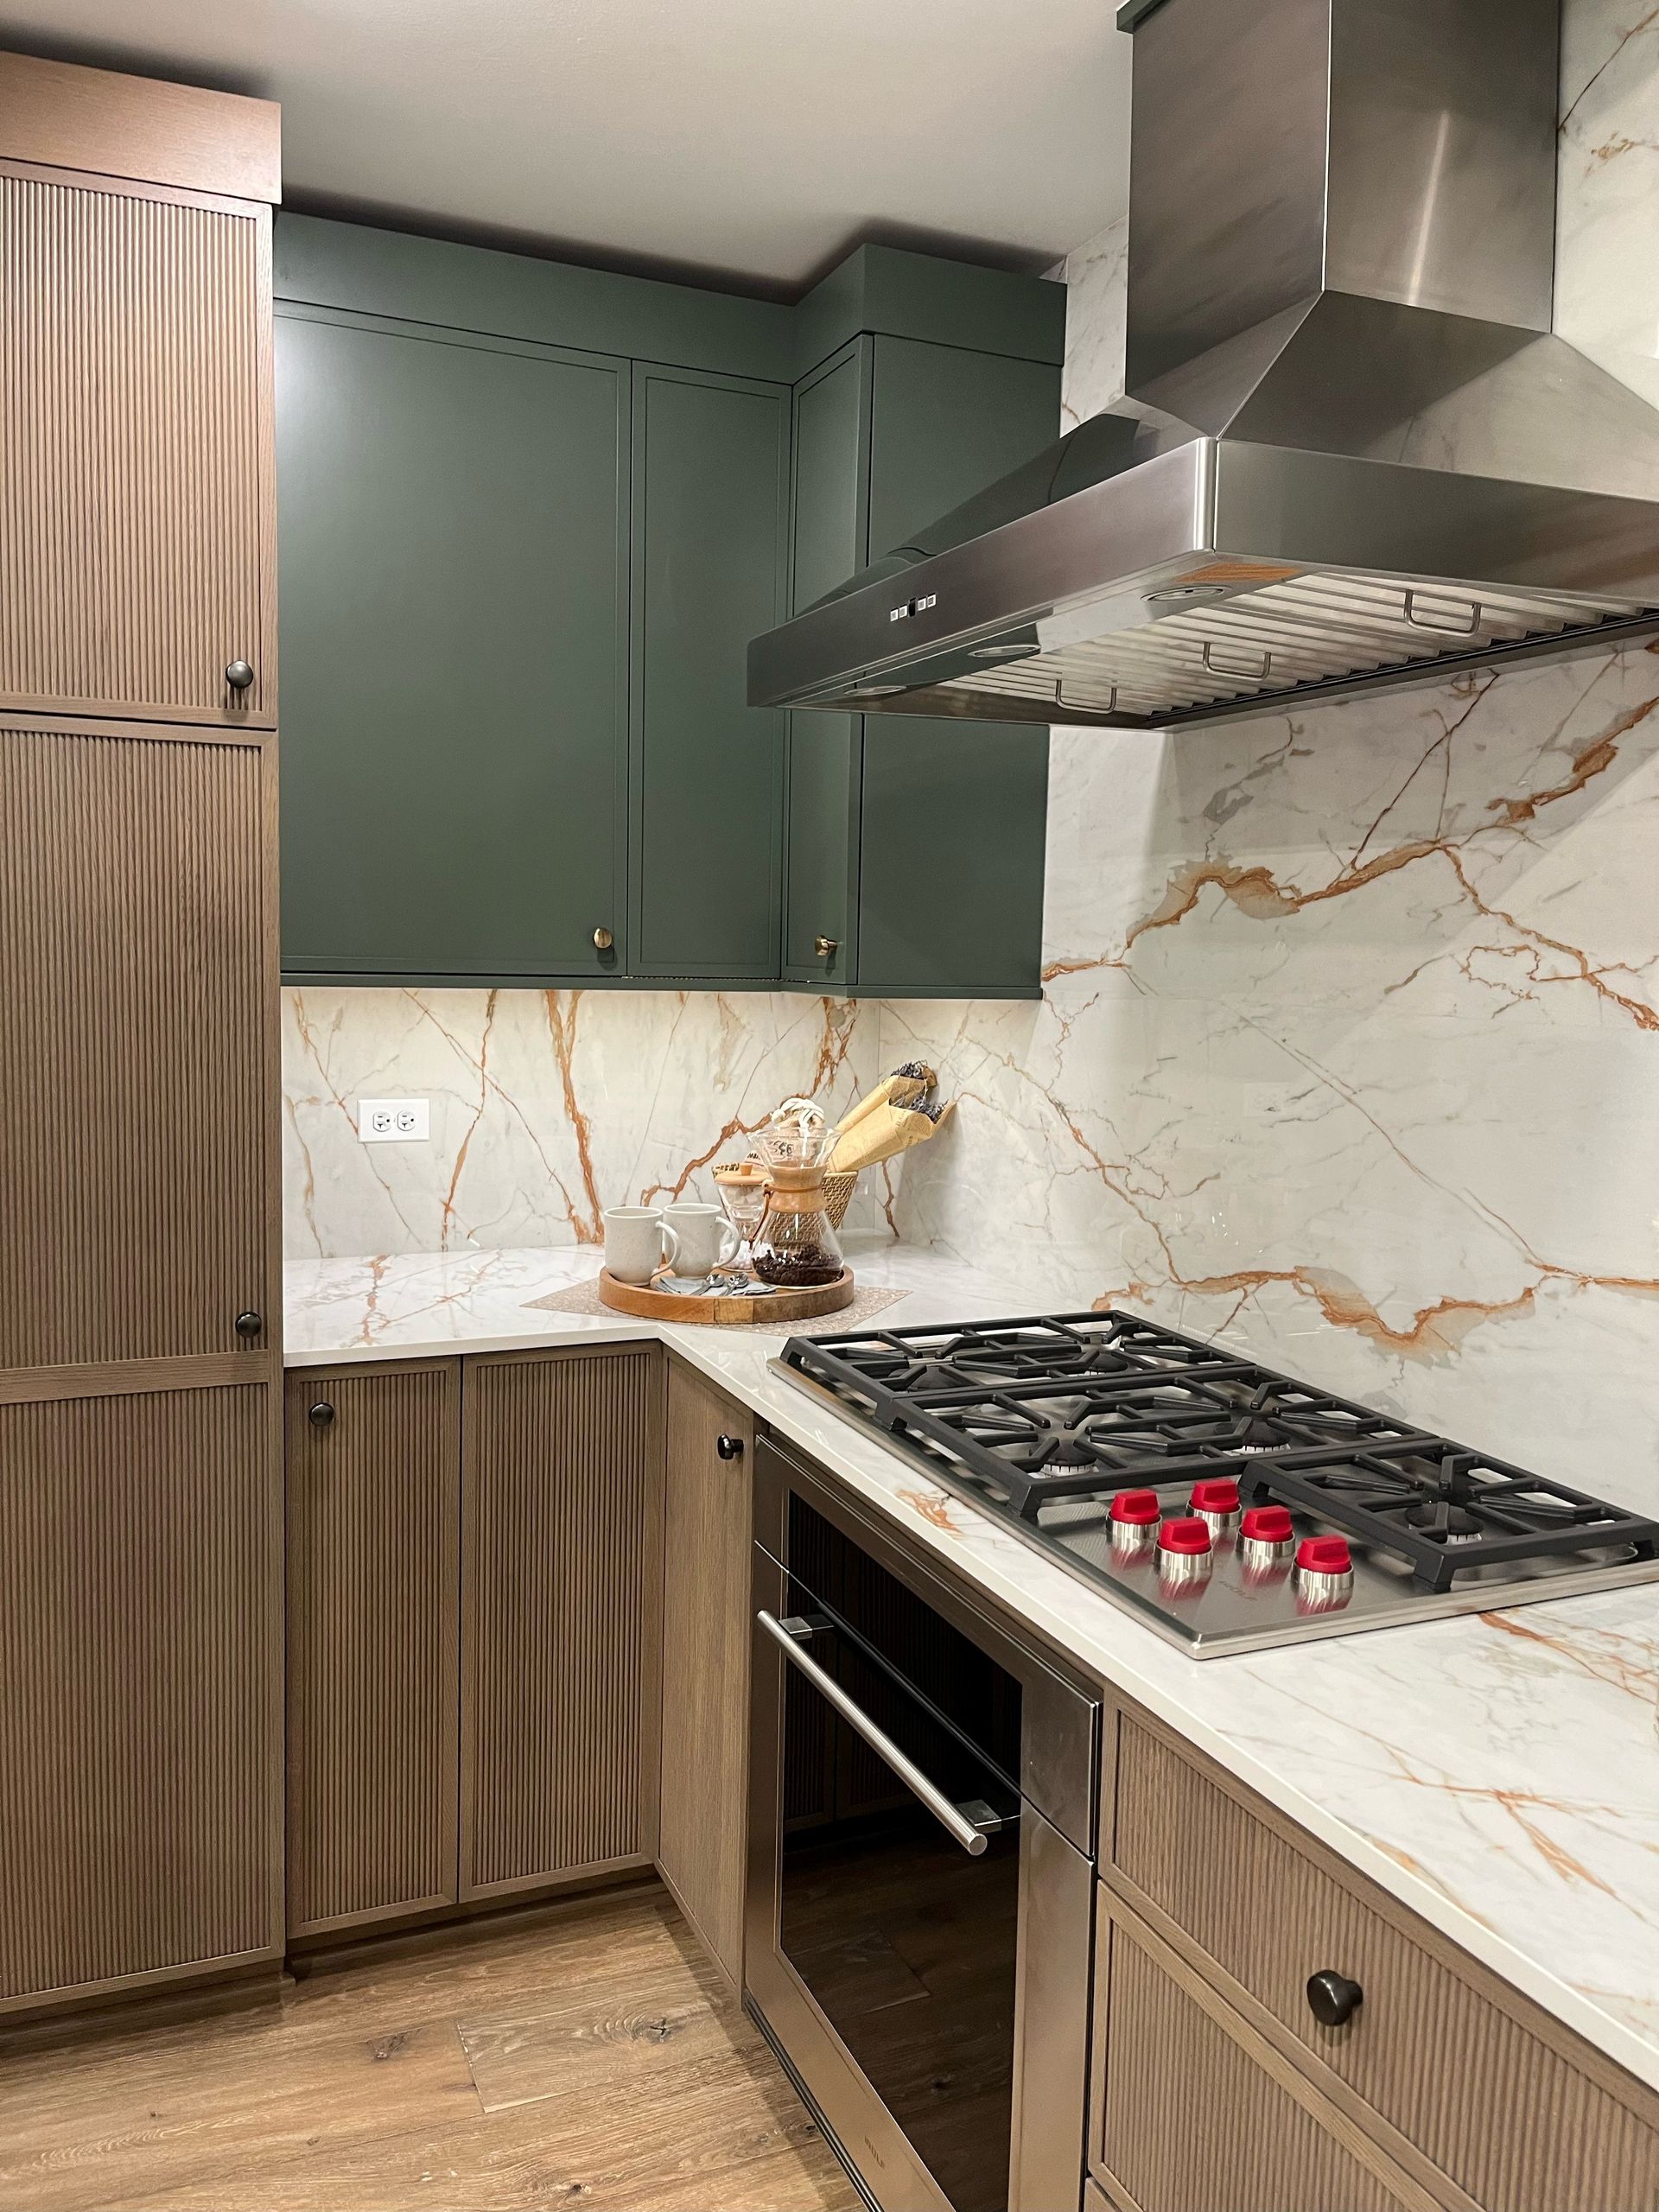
133	2126
583	2055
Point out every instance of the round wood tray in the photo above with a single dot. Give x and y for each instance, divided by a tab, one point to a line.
735	1311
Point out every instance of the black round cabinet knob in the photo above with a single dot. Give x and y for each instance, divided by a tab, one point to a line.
729	1447
250	1325
239	675
322	1415
1333	1998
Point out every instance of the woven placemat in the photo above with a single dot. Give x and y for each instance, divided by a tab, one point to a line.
584	1298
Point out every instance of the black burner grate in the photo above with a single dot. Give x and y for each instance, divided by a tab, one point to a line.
1035	1412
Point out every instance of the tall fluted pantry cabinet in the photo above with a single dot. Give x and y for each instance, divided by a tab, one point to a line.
140	1520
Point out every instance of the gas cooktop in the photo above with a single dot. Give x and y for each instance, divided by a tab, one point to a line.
1230	1507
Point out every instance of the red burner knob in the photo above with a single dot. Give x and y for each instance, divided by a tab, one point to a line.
1136	1508
1324	1555
1187	1539
1217	1496
1268	1524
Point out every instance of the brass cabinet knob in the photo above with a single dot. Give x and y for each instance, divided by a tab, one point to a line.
826	947
603	938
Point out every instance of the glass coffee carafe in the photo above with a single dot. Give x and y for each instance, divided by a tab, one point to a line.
796	1247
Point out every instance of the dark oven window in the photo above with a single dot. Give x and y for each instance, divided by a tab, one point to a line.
905	1942
953	1675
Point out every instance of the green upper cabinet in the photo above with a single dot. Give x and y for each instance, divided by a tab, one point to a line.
944	423
915	846
529	518
831	510
832	485
710	543
452	526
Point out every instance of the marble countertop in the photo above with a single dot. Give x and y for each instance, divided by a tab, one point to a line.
1498	1773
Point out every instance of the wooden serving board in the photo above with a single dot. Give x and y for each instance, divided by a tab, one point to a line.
734	1312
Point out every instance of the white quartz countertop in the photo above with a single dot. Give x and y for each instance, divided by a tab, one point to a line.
1498	1773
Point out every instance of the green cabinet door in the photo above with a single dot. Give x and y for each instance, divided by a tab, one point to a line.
710	518
925	837
945	423
954	815
955	821
831	530
452	515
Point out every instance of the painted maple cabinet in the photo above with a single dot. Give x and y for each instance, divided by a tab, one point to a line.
710	543
530	518
915	846
454	564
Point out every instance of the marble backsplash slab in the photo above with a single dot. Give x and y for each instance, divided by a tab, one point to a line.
1350	1054
1607	264
547	1106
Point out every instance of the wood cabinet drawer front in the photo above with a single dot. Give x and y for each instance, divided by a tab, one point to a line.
1190	2120
1508	2118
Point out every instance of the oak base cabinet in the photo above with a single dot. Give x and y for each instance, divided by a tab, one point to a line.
561	1487
706	1661
373	1642
474	1615
1451	2090
140	1691
1189	2118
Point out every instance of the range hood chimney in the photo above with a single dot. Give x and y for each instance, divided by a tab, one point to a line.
1351	453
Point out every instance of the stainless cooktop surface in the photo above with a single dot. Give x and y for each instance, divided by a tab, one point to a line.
1230	1507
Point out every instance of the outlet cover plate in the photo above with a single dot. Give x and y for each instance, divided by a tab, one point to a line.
394	1120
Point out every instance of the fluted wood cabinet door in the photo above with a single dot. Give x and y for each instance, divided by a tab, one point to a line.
138	1072
561	1614
373	1469
1528	2119
1187	2119
707	1522
137	471
140	1689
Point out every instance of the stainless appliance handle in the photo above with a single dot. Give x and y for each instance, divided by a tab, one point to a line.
971	1838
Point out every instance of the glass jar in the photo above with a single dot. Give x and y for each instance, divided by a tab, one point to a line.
796	1248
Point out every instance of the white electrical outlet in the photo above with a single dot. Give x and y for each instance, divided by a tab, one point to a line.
394	1120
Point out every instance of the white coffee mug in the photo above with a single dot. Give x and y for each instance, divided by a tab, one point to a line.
634	1243
701	1237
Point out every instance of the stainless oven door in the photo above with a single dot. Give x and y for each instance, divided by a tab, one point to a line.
918	1928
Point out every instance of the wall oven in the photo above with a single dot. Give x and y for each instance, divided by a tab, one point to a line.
921	1823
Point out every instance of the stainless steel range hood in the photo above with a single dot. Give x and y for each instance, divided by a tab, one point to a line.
1351	453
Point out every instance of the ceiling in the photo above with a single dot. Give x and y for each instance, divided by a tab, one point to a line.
754	139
